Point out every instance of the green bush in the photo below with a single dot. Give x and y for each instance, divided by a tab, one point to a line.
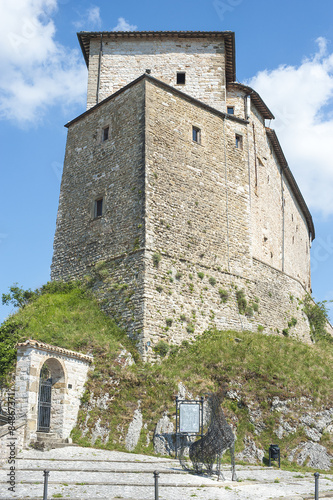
212	281
249	312
161	348
241	301
292	322
224	295
156	258
201	275
317	314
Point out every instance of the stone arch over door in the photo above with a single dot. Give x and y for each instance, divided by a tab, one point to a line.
51	397
68	372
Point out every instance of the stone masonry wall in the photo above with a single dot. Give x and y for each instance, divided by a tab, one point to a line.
280	236
184	225
66	392
113	169
198	214
197	193
123	60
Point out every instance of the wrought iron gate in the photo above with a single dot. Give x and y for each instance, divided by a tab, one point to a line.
44	405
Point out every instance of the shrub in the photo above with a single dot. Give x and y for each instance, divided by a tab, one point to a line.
249	312
178	275
17	296
159	288
317	314
212	281
292	322
224	295
241	301
156	259
190	328
169	321
201	275
255	306
161	348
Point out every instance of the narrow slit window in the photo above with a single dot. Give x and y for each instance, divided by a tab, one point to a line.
99	207
105	134
181	78
239	141
196	134
230	110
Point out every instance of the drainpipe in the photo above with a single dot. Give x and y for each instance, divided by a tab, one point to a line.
247	116
99	69
248	107
226	192
283	219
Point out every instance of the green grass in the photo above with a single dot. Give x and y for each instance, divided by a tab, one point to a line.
259	368
71	319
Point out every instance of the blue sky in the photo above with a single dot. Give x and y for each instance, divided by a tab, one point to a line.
284	49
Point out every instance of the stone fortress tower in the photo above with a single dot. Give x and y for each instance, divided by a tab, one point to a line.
177	196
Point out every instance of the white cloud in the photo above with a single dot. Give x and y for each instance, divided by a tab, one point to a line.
91	20
123	25
301	98
36	71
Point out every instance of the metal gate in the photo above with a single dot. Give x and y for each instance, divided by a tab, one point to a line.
44	405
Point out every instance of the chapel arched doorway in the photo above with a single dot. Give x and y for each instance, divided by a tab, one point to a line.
51	397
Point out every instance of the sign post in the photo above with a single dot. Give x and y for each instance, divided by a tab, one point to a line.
189	418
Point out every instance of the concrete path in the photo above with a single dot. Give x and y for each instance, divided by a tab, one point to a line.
88	474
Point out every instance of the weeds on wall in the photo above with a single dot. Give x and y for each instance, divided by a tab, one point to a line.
241	301
317	314
212	281
223	295
156	258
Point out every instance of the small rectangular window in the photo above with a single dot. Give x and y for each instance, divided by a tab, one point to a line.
230	110
239	141
196	134
98	209
105	134
181	76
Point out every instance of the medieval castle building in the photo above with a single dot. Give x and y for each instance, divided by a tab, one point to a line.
176	195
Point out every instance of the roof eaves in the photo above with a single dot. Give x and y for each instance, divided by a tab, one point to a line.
291	179
257	100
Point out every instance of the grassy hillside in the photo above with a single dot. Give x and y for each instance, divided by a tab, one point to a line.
257	366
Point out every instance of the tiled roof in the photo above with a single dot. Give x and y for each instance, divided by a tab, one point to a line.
51	348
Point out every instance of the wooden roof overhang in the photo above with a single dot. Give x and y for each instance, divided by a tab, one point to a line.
255	97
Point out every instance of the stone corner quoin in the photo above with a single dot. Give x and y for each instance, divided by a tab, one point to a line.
174	185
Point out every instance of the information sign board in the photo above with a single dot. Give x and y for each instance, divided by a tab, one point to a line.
189	417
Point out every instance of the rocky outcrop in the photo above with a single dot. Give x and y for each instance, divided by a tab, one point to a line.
134	430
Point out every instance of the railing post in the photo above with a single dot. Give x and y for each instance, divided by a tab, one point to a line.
46	479
316	475
156	475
